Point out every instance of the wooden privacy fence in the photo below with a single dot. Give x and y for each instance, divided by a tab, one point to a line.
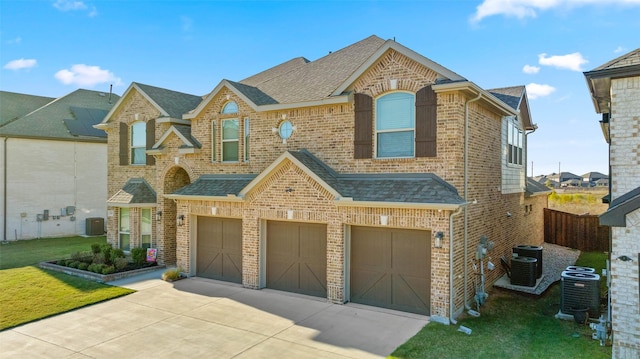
582	232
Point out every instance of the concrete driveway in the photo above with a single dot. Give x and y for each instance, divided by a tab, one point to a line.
196	317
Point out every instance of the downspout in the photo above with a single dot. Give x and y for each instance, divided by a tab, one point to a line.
4	210
451	275
466	195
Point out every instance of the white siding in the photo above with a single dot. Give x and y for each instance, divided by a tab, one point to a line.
51	175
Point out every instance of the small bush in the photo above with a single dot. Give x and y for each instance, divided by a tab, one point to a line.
120	263
96	248
62	262
73	264
96	268
138	255
108	270
117	253
98	258
83	265
171	274
107	248
76	256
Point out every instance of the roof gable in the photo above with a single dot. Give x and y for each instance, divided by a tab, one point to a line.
443	72
136	192
15	105
616	215
183	133
516	97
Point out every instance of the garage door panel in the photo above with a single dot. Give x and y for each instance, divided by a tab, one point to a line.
297	257
390	268
219	249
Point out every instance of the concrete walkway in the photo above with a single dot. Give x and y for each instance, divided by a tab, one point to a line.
198	318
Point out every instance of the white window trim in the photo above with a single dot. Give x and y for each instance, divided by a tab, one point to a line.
515	157
223	141
376	131
120	231
214	140
247	133
150	233
132	147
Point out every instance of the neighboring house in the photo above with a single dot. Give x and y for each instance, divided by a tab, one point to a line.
615	90
369	175
53	163
590	179
571	183
604	182
564	176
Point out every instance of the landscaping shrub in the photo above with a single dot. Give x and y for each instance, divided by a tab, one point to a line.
83	265
73	264
120	263
138	255
96	248
108	270
107	248
117	253
96	268
171	274
98	258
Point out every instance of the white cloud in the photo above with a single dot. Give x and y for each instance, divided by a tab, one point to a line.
528	69
619	49
75	5
17	40
539	90
20	64
187	23
530	8
85	75
68	5
571	62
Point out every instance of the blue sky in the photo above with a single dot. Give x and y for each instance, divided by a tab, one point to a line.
51	48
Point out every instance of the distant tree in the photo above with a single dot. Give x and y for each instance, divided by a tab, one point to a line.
548	184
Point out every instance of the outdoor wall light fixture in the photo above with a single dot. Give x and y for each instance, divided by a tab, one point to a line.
158	215
384	220
214	210
625	258
180	220
437	241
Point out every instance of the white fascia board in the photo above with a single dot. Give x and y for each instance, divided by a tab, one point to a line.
227	198
475	90
349	202
333	100
212	94
106	118
131	205
442	71
171	120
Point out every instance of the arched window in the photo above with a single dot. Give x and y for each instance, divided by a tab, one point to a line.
138	143
229	108
395	125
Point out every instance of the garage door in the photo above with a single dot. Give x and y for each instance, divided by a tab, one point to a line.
219	249
297	257
390	268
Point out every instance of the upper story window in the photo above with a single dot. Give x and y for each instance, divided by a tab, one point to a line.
230	108
214	131
514	142
230	135
138	143
246	139
395	125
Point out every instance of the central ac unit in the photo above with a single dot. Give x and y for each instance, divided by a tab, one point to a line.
580	292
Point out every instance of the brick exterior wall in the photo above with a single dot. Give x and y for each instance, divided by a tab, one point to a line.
625	176
327	131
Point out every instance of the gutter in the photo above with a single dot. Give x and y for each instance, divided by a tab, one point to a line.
466	195
4	211
451	276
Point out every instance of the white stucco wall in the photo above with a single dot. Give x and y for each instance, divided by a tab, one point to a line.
50	175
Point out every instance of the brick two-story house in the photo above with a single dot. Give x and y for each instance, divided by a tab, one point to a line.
615	90
368	175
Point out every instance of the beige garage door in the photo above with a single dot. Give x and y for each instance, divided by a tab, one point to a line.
390	268
219	249
297	257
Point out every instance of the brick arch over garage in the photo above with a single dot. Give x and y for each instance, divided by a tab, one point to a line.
173	179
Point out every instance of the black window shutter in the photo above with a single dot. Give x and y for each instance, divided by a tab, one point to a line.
426	122
151	140
124	144
363	143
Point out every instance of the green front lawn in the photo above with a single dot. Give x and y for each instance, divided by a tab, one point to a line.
511	325
28	293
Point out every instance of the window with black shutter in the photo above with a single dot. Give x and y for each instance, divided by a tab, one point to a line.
363	143
426	122
124	144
